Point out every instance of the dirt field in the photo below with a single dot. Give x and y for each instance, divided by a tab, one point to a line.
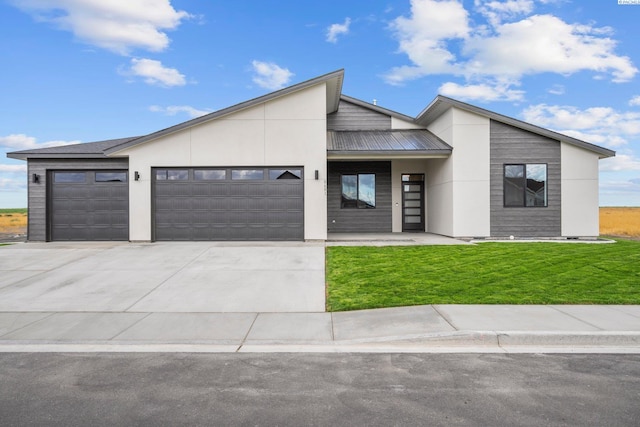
623	222
13	224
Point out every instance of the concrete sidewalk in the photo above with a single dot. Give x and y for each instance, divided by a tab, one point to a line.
437	328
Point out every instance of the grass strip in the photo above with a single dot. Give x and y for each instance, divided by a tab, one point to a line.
13	211
486	273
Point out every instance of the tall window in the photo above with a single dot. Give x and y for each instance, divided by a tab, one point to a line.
525	185
359	191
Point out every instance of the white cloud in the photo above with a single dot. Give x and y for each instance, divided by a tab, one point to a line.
423	38
621	162
439	38
602	126
154	73
620	192
552	45
557	90
13	168
172	110
12	184
609	124
117	25
336	30
20	141
270	76
498	11
635	101
483	92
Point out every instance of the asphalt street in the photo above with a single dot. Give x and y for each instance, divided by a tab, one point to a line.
79	389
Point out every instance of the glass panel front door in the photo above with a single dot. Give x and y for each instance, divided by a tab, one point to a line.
412	202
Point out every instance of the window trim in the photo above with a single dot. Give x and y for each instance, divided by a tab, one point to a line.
524	188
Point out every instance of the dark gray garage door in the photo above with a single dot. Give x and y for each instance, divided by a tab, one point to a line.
229	203
89	205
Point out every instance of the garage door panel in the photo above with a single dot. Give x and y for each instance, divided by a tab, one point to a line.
229	209
83	209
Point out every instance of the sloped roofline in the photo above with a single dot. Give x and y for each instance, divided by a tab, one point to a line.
334	89
84	150
442	103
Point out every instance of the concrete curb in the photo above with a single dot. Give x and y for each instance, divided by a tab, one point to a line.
455	342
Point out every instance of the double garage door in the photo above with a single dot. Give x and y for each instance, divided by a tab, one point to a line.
264	203
88	205
188	204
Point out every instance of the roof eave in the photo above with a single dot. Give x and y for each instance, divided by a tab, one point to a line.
387	154
29	156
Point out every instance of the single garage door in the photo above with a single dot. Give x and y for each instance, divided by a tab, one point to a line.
89	205
229	203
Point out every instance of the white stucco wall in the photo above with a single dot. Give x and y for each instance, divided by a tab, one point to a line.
471	175
440	197
459	187
397	123
288	131
579	186
440	181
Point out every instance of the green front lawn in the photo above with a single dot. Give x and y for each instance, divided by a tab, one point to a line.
486	273
13	211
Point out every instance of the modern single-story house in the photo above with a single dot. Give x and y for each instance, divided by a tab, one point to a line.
305	161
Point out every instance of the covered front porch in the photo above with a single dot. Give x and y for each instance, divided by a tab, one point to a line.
386	182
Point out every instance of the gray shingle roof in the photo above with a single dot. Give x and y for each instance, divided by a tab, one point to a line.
386	141
84	150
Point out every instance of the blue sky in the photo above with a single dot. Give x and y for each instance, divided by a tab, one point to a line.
88	70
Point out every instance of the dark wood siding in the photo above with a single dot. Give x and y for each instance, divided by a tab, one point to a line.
376	220
353	117
513	145
37	227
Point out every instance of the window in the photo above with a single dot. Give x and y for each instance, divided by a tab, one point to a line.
111	177
359	191
247	174
75	177
172	174
209	174
525	185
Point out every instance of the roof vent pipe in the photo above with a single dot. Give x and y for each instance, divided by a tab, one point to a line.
375	101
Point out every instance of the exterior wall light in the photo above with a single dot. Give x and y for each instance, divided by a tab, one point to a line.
36	178
317	174
136	176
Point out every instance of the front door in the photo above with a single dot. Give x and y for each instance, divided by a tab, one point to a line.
412	202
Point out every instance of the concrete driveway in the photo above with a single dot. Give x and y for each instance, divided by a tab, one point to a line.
162	277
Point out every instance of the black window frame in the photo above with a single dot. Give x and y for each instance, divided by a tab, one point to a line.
525	185
357	203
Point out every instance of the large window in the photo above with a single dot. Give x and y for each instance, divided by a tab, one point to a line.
525	185
359	191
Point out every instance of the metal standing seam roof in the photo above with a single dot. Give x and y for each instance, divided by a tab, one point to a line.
405	141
